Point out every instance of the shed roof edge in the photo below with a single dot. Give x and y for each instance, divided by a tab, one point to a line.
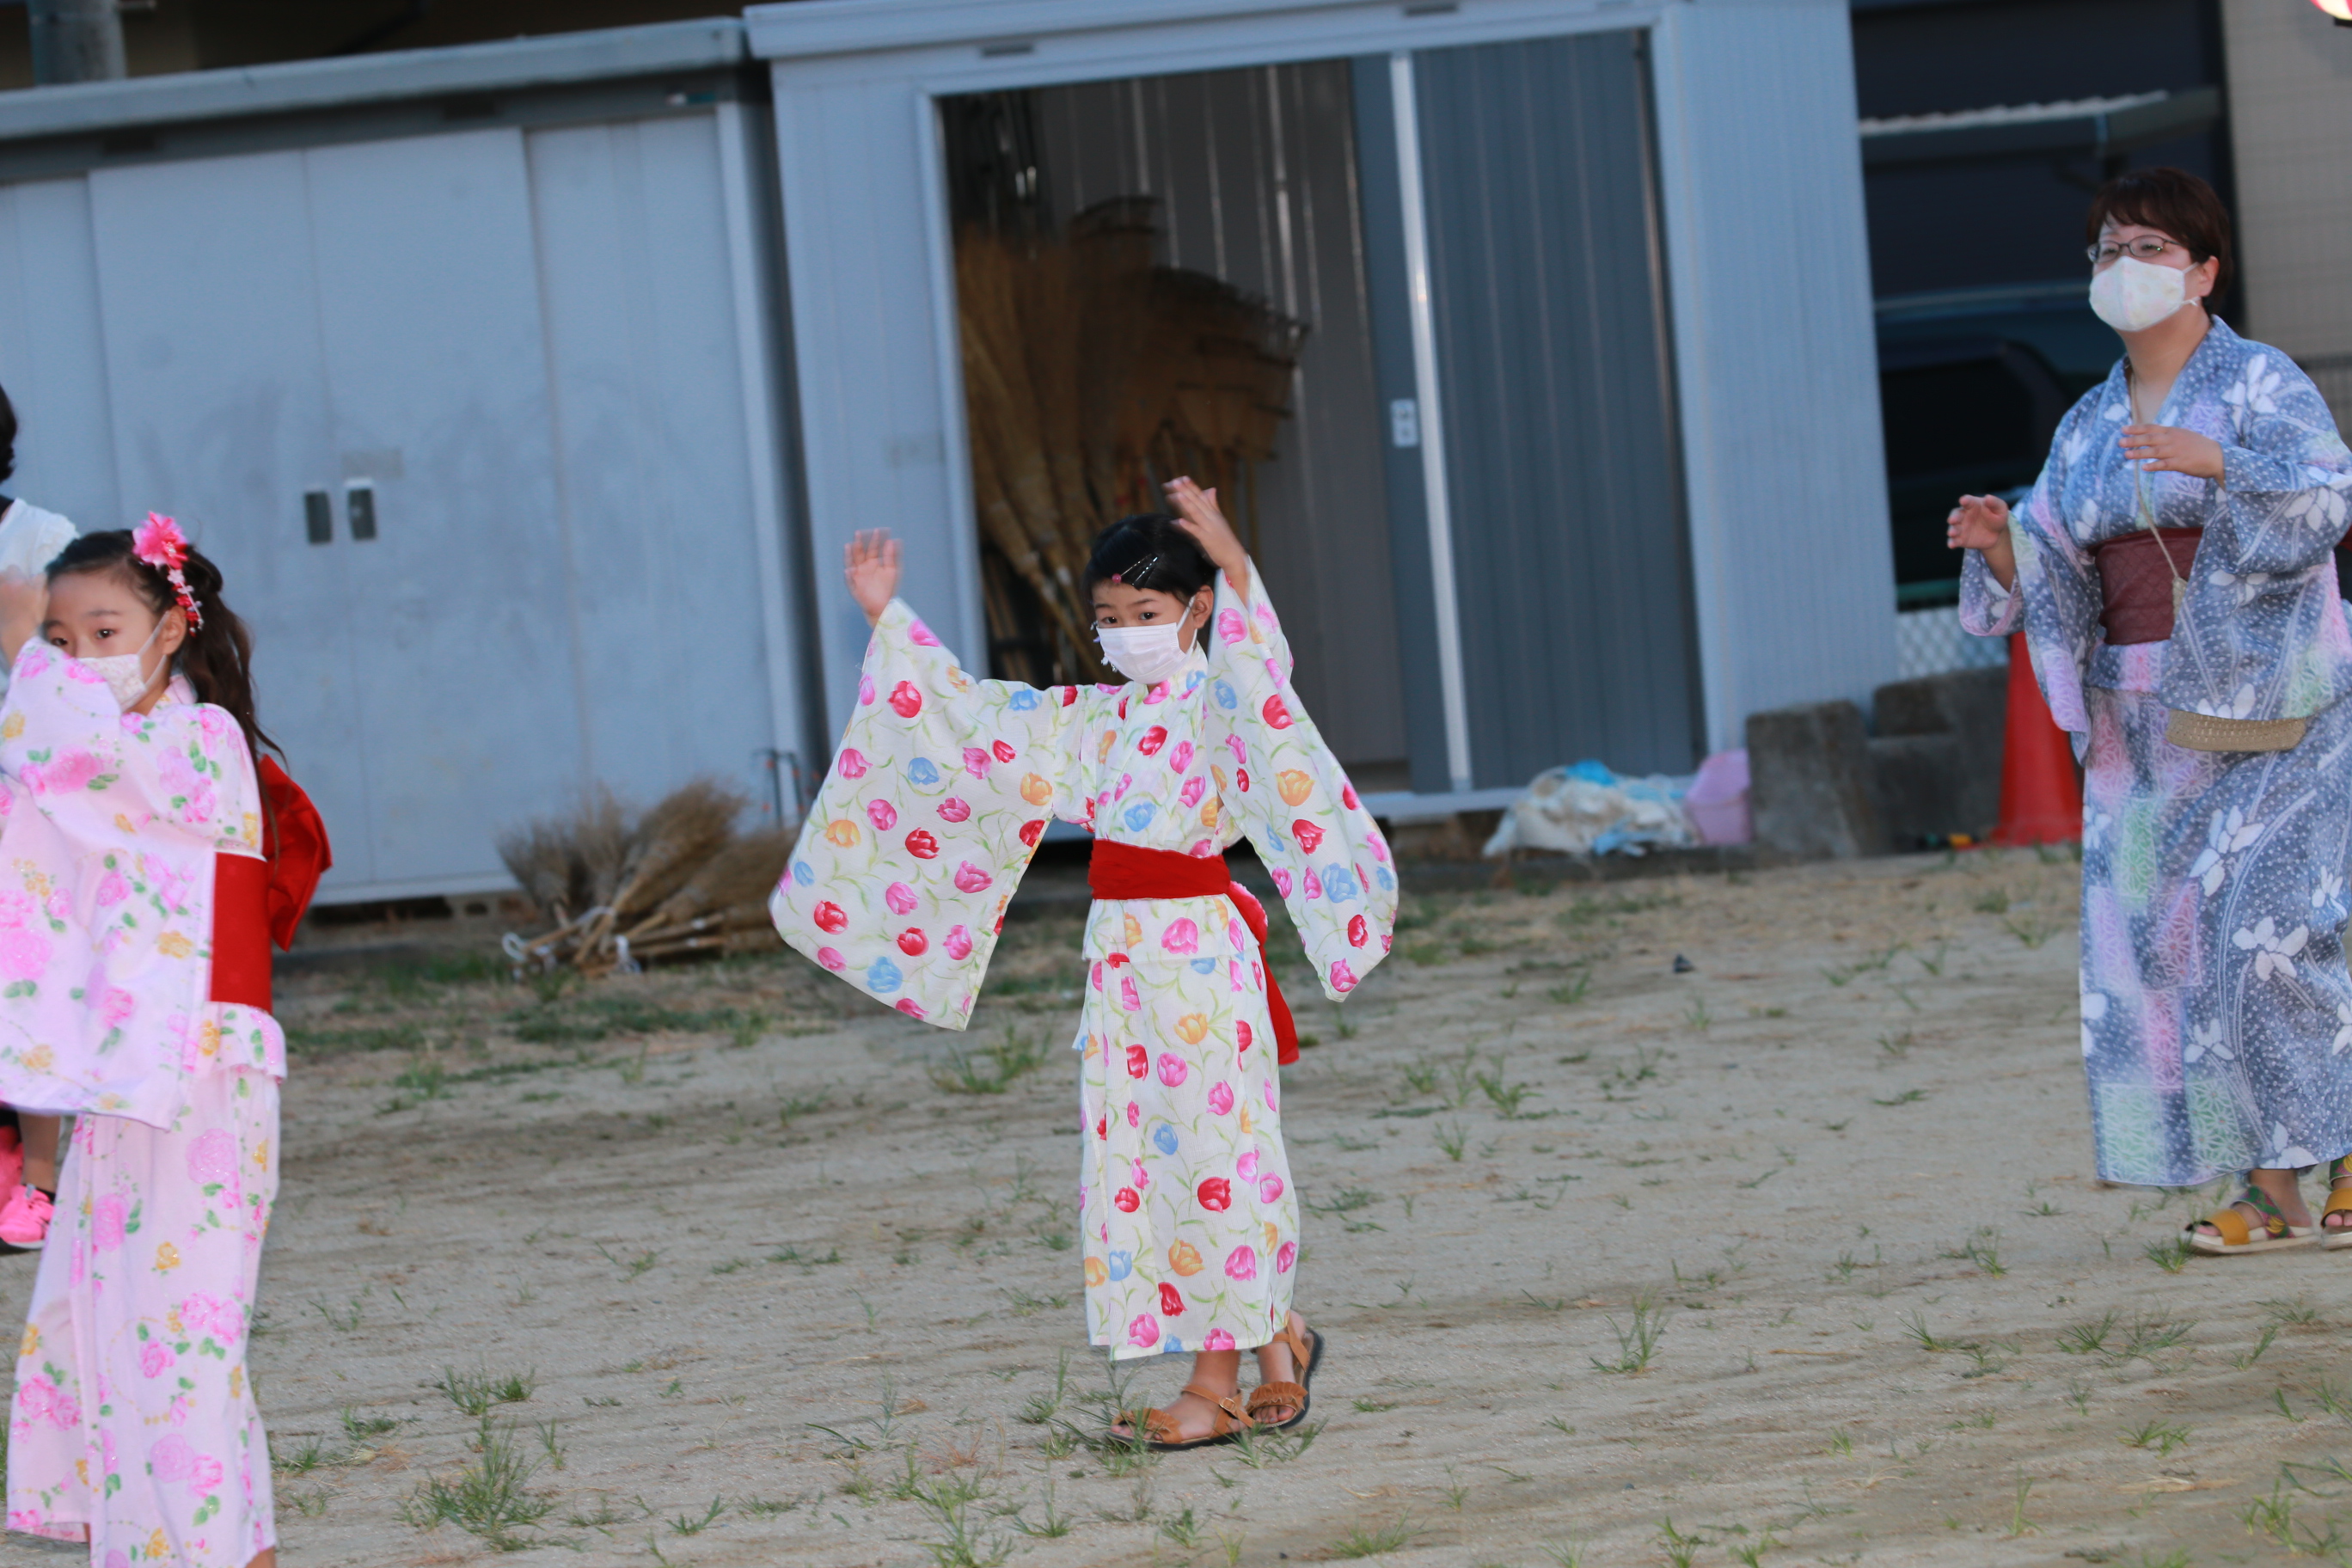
808	28
562	58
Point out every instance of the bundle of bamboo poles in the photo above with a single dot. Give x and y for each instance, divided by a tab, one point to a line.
1091	377
625	889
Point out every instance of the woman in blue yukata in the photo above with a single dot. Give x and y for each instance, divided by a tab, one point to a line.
2173	573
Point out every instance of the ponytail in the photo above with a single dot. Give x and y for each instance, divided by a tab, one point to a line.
217	657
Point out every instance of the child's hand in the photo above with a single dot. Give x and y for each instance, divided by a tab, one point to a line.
870	561
24	605
1196	512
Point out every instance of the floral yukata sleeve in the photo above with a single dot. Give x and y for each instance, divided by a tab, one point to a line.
108	826
2261	633
934	805
1291	797
2057	588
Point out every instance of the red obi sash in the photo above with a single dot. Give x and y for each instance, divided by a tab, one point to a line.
257	899
2136	581
1129	871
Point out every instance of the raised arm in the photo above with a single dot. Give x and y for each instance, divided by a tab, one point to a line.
936	800
1292	798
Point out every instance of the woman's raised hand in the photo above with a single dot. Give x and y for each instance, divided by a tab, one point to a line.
870	561
1197	513
1981	524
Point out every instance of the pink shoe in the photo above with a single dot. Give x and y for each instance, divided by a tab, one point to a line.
25	1220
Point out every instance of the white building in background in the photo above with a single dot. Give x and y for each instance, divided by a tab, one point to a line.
527	391
2291	122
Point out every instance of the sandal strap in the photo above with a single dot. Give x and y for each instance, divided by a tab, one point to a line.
2339	1169
1297	1340
2274	1224
2339	1201
2235	1231
1231	1410
1277	1396
1152	1425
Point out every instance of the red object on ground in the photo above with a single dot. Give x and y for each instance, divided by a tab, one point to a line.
1129	871
2040	789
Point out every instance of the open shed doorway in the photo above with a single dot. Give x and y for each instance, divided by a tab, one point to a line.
1168	274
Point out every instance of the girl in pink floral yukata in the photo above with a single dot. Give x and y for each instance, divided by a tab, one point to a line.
145	863
940	794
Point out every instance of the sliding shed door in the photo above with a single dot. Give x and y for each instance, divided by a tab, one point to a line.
1548	288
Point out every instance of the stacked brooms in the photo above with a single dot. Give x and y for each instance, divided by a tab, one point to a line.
1092	375
625	889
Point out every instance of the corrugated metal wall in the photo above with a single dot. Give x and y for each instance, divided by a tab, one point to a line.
1546	272
529	342
1257	178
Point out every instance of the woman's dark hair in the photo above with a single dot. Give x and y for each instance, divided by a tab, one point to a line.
7	436
1150	551
217	659
2174	200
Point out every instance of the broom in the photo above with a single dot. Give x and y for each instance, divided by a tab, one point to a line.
664	848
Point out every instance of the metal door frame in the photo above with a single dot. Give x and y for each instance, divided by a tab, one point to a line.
935	49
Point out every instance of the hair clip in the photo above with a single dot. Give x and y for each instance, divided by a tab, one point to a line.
160	544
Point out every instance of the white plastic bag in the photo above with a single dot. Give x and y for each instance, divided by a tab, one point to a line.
1587	809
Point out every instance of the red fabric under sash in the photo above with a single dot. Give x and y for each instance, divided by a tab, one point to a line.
1129	871
256	899
2135	585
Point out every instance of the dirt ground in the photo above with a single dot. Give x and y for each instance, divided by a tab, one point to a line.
1794	1255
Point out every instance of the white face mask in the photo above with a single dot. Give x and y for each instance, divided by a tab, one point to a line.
122	675
1148	654
2132	295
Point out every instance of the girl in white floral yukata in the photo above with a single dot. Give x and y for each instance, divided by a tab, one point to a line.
148	864
940	794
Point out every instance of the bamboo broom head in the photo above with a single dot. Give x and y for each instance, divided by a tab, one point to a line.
743	872
674	839
600	827
539	856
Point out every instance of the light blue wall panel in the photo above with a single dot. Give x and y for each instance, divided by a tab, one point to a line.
655	457
429	324
1777	365
864	222
218	413
1568	540
53	353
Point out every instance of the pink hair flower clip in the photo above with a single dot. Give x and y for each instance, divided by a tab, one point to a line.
159	543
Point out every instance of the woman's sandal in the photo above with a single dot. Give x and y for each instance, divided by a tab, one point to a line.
2237	1236
1162	1434
2339	1201
1293	1397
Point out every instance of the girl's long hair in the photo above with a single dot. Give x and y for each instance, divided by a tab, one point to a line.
217	659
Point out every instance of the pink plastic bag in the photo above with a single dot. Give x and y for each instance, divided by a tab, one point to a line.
1717	799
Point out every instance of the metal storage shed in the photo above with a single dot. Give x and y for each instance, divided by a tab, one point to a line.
1614	287
463	363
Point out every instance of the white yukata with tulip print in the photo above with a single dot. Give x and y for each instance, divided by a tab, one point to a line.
940	794
133	1414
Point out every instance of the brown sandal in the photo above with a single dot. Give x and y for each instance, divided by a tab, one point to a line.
1296	1397
1161	1432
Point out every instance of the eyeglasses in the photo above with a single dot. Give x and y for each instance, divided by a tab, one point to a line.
2147	247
